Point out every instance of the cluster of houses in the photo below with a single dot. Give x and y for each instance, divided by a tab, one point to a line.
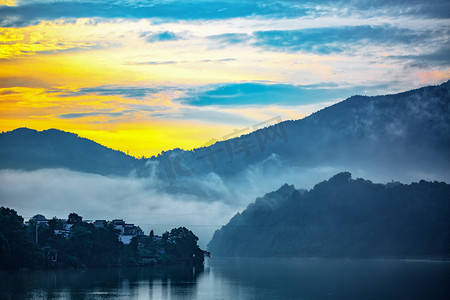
126	231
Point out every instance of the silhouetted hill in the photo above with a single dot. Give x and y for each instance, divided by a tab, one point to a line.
29	149
342	217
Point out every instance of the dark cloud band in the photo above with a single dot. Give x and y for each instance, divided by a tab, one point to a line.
32	13
18	16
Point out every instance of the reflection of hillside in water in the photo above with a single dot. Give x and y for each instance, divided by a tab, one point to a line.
297	278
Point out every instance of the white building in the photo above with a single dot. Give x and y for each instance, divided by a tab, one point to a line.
126	231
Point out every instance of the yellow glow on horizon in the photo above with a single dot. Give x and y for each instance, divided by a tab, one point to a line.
148	139
132	131
138	139
8	2
111	121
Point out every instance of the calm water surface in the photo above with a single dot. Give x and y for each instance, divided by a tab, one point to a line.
241	278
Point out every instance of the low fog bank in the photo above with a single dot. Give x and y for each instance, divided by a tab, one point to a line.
200	202
58	192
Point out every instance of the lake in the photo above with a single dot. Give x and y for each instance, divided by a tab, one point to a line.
241	278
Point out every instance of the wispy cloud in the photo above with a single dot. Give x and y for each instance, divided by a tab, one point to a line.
172	62
164	36
154	63
230	38
21	81
440	57
66	50
90	114
337	39
254	93
109	90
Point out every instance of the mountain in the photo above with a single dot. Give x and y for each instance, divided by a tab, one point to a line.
29	149
391	135
342	217
403	136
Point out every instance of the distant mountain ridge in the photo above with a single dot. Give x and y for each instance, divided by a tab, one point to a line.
342	217
405	133
30	149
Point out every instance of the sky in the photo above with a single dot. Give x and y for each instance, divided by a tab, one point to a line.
149	76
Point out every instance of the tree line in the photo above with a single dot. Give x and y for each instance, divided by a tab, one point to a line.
44	245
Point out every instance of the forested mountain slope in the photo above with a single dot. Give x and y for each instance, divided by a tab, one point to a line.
342	217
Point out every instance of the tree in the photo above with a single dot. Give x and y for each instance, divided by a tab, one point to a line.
55	224
38	217
105	247
13	242
81	243
74	218
183	245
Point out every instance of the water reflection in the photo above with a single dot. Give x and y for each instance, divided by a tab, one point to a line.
133	283
296	278
240	278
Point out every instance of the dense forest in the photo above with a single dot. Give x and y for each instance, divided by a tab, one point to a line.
47	245
343	217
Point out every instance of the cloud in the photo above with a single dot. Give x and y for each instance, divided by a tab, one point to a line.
109	90
90	114
432	8
230	38
265	94
33	13
217	60
8	92
161	36
211	115
172	62
438	58
21	81
67	50
156	63
336	39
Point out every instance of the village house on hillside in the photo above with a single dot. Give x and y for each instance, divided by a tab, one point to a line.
126	231
77	243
